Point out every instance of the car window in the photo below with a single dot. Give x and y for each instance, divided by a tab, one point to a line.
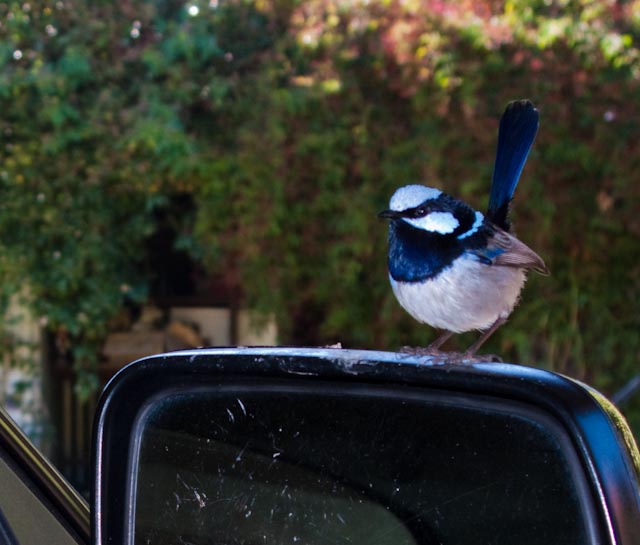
312	466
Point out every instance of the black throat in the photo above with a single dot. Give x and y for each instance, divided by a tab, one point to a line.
416	255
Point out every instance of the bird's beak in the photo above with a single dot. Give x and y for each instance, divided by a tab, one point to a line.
390	214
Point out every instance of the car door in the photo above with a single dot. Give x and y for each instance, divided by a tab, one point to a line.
37	506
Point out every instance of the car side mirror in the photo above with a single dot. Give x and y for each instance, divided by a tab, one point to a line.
312	446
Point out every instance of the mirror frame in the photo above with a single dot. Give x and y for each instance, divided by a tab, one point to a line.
596	431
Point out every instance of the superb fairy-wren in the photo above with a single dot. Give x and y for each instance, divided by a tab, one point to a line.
452	267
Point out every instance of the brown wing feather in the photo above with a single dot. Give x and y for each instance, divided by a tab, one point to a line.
517	253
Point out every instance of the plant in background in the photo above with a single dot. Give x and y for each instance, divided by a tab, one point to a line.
289	124
357	99
20	373
76	205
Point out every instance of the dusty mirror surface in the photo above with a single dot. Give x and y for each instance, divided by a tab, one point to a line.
287	464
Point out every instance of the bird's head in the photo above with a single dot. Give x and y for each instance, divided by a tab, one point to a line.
425	208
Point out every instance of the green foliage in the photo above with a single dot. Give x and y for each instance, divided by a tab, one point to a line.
353	102
291	123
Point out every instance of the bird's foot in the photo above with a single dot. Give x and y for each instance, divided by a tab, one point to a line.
423	351
482	358
450	357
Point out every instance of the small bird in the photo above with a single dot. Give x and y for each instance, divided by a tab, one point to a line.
452	267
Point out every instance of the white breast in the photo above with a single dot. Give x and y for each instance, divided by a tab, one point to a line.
468	295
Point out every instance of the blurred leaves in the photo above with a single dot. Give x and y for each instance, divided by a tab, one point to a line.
291	123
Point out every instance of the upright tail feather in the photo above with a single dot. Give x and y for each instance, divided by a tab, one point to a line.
518	128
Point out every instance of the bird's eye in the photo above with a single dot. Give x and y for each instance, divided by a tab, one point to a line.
420	211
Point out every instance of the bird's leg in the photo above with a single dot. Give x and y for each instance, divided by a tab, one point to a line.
432	350
474	347
435	345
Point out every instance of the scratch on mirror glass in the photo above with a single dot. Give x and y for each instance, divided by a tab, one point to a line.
221	428
239	456
436	508
195	495
285	492
274	446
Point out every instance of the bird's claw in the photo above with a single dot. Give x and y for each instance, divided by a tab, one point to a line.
423	351
450	357
483	358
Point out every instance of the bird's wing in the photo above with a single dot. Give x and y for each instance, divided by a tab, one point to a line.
518	128
505	250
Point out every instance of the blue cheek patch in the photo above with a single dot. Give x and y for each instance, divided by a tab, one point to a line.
488	254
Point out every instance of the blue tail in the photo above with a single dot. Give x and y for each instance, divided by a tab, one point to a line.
518	128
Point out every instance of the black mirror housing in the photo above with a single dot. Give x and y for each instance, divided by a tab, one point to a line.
288	445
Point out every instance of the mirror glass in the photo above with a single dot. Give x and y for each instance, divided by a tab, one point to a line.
292	464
